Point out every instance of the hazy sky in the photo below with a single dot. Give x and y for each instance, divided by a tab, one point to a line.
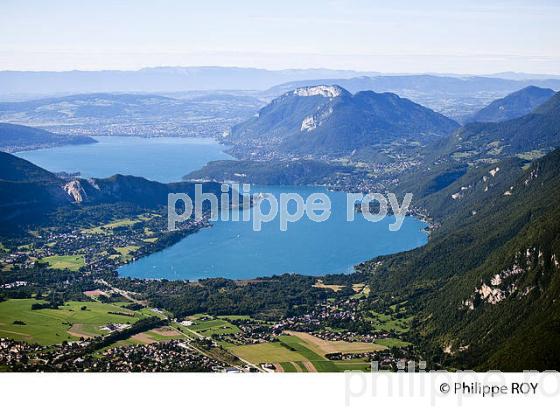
411	36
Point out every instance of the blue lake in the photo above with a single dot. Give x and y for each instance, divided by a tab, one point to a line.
158	159
233	249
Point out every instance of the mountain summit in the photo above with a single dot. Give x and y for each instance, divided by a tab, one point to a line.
514	105
327	120
535	133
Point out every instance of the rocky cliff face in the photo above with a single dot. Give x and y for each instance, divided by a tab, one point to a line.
327	120
75	190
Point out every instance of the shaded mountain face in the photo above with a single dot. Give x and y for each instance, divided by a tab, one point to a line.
486	286
329	121
20	138
514	105
302	172
531	135
29	194
15	169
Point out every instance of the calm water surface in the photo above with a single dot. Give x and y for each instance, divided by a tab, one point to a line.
233	249
158	159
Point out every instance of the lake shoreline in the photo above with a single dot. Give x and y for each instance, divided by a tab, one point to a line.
168	159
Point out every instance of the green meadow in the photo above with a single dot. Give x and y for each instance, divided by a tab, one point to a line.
70	262
50	326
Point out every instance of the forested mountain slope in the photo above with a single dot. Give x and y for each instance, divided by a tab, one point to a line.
486	287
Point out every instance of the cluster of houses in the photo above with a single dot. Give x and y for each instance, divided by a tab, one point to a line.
16	260
13	285
21	356
252	332
338	311
168	356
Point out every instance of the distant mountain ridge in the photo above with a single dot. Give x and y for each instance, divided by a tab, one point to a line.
328	120
457	97
147	115
15	138
537	131
420	83
513	105
156	79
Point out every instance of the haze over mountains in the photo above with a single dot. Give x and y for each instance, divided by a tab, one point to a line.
148	115
513	105
154	80
456	96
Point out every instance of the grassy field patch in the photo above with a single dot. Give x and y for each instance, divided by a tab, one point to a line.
320	285
50	326
107	229
390	322
392	342
70	262
288	367
125	252
213	327
272	352
323	347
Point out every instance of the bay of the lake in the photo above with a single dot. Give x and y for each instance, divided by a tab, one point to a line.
233	249
159	159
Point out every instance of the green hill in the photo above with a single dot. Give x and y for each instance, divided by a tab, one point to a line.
15	138
532	134
514	105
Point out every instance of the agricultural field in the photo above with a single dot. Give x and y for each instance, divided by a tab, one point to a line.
361	290
318	362
211	327
352	365
70	262
299	353
69	322
107	229
320	285
157	335
294	367
392	342
326	346
186	331
272	352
